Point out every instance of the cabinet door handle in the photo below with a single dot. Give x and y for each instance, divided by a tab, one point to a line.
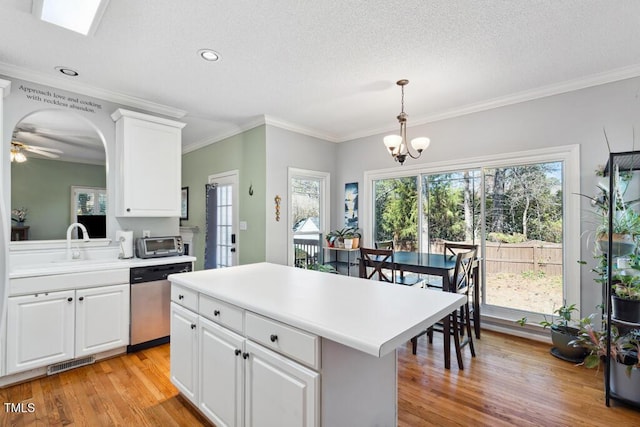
193	326
69	299
128	209
81	299
273	338
180	296
245	355
216	312
238	351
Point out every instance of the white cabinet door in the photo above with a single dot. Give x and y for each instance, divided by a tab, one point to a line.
278	391
40	330
221	374
184	351
149	152
102	319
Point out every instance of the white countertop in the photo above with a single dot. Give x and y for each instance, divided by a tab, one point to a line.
84	265
370	316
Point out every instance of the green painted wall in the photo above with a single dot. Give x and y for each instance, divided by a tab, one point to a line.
44	188
245	152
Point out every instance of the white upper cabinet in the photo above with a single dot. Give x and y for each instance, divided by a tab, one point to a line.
148	158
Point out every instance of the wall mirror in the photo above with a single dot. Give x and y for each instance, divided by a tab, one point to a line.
54	152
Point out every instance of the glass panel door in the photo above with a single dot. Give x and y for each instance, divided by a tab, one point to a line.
305	220
222	243
396	212
308	217
451	209
523	249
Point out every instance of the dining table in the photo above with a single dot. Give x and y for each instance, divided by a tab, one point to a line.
439	264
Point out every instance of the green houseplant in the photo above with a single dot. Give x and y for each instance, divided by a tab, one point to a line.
623	349
353	234
564	332
625	299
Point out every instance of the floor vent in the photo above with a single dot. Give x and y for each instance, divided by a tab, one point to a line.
65	366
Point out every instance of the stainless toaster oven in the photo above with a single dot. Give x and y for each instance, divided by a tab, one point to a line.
155	247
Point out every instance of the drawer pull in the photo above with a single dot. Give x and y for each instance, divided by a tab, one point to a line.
216	312
273	338
180	296
69	299
238	351
193	326
81	299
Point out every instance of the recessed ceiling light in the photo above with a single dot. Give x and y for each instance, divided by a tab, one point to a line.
67	71
209	55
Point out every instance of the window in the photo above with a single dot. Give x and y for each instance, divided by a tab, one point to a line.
520	209
89	207
308	216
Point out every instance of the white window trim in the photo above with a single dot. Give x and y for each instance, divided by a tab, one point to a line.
325	204
568	154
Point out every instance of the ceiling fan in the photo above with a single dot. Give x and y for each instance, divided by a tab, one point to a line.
18	151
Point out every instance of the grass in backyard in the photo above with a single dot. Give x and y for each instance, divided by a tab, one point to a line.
530	291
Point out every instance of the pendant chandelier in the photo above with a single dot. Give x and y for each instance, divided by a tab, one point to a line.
397	144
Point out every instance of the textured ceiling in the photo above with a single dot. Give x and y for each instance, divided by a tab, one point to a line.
328	68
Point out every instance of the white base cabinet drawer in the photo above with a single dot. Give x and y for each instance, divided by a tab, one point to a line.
222	313
185	297
292	342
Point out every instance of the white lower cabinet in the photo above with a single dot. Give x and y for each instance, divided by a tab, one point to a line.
279	391
51	327
235	381
40	330
184	351
221	374
102	319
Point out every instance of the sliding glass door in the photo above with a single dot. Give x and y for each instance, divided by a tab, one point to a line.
518	210
396	212
523	245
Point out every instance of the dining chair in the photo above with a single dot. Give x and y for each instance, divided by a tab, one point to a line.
377	262
460	283
401	279
453	248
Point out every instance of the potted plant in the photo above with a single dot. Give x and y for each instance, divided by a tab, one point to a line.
624	363
625	223
331	239
352	238
625	299
563	334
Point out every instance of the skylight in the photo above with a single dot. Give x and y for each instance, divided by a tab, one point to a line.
81	16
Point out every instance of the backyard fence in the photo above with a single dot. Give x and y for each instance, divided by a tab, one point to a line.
533	256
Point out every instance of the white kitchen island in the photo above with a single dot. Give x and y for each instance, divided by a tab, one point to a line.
266	344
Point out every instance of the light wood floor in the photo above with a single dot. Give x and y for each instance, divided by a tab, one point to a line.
511	382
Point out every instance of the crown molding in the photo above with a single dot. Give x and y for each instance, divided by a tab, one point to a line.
282	124
106	95
259	121
516	98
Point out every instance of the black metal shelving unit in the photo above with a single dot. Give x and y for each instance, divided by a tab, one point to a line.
624	162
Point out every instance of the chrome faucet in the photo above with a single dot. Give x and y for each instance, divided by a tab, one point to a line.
75	254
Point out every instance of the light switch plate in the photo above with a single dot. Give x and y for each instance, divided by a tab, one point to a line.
243	225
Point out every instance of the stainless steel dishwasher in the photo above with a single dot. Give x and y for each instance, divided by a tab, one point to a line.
151	304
